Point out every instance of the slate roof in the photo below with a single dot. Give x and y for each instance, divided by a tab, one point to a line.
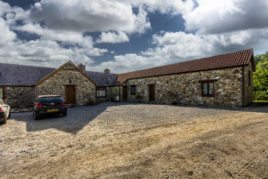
102	79
22	75
229	60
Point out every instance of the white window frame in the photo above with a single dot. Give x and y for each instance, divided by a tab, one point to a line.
1	92
101	93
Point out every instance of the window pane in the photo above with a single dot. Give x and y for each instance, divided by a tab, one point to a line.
133	90
205	88
249	79
211	89
101	93
1	93
51	100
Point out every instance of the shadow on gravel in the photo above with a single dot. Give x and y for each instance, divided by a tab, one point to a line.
76	119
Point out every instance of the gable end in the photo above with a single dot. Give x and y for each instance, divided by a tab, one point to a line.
67	66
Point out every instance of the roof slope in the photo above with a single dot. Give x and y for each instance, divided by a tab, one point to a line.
102	79
67	65
209	63
22	75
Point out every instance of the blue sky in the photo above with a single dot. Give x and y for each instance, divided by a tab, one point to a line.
126	35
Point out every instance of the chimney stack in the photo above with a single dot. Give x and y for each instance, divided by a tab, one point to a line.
107	71
82	67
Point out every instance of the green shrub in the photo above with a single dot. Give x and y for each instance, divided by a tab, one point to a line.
260	80
261	95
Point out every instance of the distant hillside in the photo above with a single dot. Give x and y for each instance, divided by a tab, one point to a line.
260	81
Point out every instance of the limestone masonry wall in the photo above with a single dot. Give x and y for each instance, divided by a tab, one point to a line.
232	87
19	97
85	89
227	87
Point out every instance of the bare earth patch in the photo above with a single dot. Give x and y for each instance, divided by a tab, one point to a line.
137	141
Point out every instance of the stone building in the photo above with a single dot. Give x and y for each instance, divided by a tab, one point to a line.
223	80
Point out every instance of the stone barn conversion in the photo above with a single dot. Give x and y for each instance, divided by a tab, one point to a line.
223	80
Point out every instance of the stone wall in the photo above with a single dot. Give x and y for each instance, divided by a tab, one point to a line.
19	97
69	75
111	92
227	87
114	92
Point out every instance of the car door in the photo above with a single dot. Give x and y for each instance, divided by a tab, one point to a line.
5	107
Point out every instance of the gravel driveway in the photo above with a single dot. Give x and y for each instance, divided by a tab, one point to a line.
137	141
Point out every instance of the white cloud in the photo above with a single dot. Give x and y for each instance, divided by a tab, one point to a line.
113	37
62	36
90	16
163	6
104	15
211	28
12	14
6	35
45	51
4	7
66	37
174	47
212	16
169	49
41	53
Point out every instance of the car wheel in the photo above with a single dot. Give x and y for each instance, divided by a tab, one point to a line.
4	121
65	113
36	116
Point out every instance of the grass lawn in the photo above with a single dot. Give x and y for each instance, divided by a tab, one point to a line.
261	101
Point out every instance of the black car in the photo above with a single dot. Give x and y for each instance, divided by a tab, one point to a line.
2	117
48	105
4	111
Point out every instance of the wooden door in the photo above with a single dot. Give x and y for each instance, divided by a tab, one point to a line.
125	93
70	94
151	92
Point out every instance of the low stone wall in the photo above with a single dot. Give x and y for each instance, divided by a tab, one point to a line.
227	87
19	97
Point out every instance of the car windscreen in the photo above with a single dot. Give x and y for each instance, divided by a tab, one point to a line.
50	100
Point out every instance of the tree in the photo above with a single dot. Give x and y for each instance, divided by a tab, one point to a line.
260	81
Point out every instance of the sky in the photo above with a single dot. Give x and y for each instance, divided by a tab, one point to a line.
127	35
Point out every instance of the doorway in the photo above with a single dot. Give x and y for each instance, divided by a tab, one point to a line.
151	92
125	93
70	94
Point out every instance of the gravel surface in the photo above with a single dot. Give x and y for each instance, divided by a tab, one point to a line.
119	140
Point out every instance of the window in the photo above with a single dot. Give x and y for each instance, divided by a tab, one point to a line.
101	92
1	102
56	99
1	93
133	89
207	88
249	79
